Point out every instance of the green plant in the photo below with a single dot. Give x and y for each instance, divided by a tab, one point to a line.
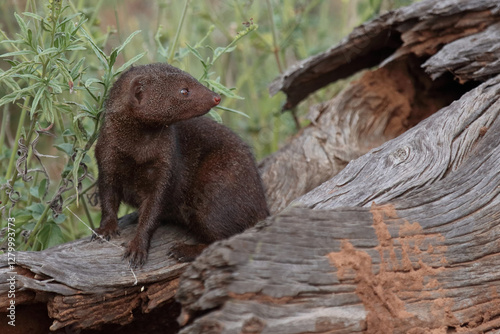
207	63
48	64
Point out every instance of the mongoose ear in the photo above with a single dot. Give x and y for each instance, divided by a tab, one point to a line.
137	87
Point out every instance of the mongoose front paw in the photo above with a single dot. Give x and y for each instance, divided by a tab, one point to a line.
105	233
136	253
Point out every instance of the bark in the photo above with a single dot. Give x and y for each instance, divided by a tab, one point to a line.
86	285
421	29
417	76
403	239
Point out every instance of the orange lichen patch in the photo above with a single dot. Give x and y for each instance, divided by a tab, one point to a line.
374	290
405	261
442	314
386	245
410	229
409	264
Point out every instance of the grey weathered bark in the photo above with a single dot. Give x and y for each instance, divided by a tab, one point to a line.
404	240
425	257
86	285
382	104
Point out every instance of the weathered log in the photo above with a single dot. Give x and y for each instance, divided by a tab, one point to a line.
87	286
384	103
420	29
379	106
425	258
475	57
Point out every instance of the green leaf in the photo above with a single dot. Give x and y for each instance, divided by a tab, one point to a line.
40	190
18	53
12	41
66	148
78	26
129	38
34	191
63	70
27	76
47	110
98	52
60	218
16	69
75	48
212	113
19	94
33	15
56	88
21	23
68	133
128	63
112	58
22	216
76	166
233	110
68	18
195	53
84	114
220	50
30	38
37	98
36	210
51	235
49	51
75	70
221	89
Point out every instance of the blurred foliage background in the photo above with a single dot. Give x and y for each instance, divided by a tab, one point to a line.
288	31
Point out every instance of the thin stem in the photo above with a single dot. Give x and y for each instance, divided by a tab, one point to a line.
173	47
59	123
95	11
13	159
3	129
276	48
87	213
117	19
39	223
72	200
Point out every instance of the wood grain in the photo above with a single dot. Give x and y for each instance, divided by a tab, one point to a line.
422	28
393	227
404	240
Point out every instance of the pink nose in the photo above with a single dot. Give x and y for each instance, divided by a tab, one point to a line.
217	100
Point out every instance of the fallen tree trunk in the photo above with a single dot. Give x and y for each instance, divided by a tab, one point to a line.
87	285
416	251
324	267
386	102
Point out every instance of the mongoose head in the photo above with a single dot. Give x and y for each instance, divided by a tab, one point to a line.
160	94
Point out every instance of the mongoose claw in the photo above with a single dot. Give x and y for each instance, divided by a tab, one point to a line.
136	255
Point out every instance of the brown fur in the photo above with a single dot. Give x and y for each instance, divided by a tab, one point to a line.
155	154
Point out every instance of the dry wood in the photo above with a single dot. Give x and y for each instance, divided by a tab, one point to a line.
382	104
87	284
424	258
379	106
475	57
427	258
421	29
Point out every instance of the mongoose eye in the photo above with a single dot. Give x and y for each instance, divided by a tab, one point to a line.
185	91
